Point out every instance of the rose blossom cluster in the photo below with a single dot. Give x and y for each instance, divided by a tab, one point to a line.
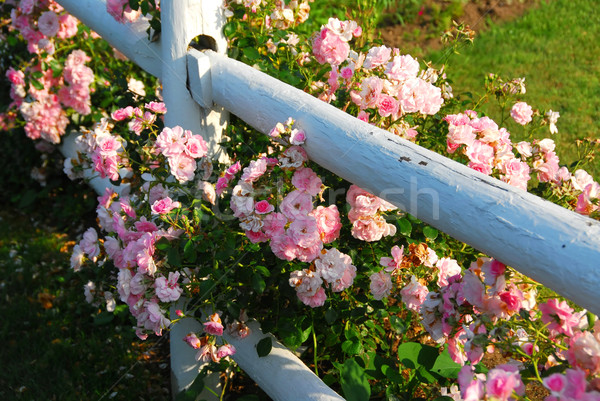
391	84
570	386
501	383
134	222
99	150
78	78
40	21
44	117
206	345
487	146
122	12
331	45
582	349
41	91
414	293
286	15
142	282
368	223
588	200
298	231
181	148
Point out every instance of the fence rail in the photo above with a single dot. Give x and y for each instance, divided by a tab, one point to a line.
550	244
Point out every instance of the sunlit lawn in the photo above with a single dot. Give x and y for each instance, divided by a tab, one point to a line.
556	47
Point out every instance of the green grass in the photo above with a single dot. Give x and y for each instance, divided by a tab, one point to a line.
555	47
54	348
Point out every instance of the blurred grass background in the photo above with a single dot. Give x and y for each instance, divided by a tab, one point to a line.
556	48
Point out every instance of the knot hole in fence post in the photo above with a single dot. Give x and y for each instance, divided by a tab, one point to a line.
204	42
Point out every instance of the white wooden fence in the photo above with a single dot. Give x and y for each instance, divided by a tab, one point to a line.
550	244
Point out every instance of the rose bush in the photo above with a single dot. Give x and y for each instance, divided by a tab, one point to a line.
269	237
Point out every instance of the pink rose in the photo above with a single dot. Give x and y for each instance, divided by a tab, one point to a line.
263	207
303	231
225	350
15	77
296	203
377	56
255	170
370	228
328	222
284	248
502	381
330	48
68	26
387	105
402	68
381	285
182	167
195	147
446	268
314	301
192	340
305	179
214	326
297	137
471	385
559	317
521	112
414	294
393	263
48	23
164	205
274	225
168	290
156	107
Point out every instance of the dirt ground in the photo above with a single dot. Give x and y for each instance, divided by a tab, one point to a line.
433	19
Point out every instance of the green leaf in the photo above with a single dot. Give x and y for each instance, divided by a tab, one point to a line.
258	283
351	332
445	366
306	333
162	244
330	316
251	53
198	215
189	251
405	227
263	270
289	332
37	74
37	84
352	347
354	382
420	358
397	324
392	374
173	257
430	232
264	346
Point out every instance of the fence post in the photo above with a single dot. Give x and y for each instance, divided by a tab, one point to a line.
181	22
